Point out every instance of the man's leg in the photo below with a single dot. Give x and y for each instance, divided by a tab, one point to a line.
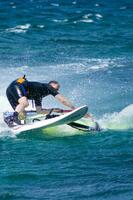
18	101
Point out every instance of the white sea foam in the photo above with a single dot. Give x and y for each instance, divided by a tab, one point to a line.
40	26
74	2
88	65
98	15
19	28
4	106
85	66
97	5
87	20
13	6
87	15
55	4
118	121
123	8
100	65
59	20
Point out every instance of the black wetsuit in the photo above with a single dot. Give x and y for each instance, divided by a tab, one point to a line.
32	90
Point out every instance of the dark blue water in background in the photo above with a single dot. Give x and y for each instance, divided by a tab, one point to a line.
88	47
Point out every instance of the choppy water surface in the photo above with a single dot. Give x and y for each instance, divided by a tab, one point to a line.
87	46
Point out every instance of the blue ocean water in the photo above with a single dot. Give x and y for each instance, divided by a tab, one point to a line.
87	46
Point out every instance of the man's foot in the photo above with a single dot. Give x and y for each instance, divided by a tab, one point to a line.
16	119
12	120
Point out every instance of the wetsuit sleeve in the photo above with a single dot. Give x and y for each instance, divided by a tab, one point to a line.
38	102
52	91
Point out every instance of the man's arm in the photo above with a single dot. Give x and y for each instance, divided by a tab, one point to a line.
67	103
64	101
61	99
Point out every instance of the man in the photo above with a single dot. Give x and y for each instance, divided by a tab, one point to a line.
20	90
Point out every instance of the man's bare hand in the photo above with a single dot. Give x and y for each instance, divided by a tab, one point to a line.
89	116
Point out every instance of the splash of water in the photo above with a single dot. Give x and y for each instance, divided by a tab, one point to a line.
118	121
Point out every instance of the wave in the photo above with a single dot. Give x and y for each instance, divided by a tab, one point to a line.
59	20
55	4
41	26
87	20
19	29
122	120
99	16
90	15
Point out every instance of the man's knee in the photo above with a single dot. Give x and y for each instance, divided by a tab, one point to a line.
24	101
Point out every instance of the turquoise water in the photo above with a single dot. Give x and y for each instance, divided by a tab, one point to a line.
87	46
80	167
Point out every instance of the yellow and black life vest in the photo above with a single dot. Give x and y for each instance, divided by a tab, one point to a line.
21	80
